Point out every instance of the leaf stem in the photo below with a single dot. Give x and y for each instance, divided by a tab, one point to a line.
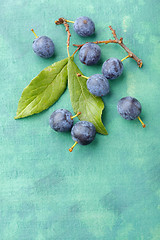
120	42
68	51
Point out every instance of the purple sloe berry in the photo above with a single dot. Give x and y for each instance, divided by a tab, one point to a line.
112	68
84	26
83	132
89	54
43	46
98	85
61	121
129	108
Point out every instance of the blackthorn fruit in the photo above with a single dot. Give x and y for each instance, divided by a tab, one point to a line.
129	108
83	132
43	46
89	54
61	120
98	85
84	26
112	68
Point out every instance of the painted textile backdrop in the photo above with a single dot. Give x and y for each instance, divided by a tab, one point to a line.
108	190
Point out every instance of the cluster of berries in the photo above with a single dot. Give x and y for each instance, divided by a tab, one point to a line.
61	120
82	132
128	107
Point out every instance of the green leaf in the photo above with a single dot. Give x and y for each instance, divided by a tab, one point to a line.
44	90
82	100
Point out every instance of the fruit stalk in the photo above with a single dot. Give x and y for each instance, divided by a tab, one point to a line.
71	149
125	58
143	125
34	33
80	75
79	113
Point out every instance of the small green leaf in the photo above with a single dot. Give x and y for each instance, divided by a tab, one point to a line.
44	90
82	100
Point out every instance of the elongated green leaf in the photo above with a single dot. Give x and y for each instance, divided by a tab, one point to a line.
82	100
44	90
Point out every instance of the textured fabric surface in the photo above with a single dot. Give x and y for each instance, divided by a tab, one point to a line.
108	190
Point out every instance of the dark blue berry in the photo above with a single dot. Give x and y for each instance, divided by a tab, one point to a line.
112	68
98	85
43	46
89	53
83	132
84	26
61	121
129	108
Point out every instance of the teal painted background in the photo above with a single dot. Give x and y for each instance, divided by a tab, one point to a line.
108	190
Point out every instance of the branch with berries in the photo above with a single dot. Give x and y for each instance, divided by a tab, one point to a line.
86	92
118	41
